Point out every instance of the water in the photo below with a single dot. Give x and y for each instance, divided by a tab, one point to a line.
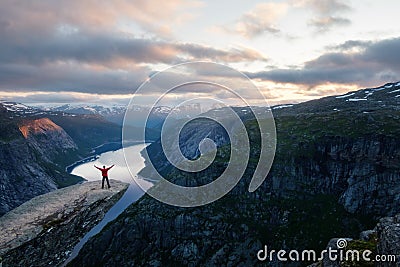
118	172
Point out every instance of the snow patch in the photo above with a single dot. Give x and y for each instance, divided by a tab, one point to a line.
356	99
282	106
368	93
89	109
347	95
20	106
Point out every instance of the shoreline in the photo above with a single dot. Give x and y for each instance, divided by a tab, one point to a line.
97	151
132	194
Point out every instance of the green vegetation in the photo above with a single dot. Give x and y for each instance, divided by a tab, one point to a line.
306	128
361	246
301	223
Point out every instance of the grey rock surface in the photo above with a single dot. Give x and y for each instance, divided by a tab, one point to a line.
333	244
27	162
367	235
388	233
44	230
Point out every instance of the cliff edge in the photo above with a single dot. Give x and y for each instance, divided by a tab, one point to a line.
57	221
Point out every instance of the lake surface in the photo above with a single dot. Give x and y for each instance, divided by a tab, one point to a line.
118	172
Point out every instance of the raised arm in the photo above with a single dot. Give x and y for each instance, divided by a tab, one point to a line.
110	167
97	167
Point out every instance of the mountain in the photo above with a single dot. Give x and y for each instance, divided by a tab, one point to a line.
336	173
364	101
138	113
191	135
36	146
113	114
27	150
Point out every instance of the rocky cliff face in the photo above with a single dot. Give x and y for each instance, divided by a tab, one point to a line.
363	172
37	145
44	230
46	137
388	237
344	145
336	171
27	162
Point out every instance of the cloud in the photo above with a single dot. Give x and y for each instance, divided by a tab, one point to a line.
232	55
104	63
324	7
350	45
89	68
72	77
325	23
312	76
111	49
265	17
78	45
83	47
46	98
378	62
156	16
384	53
327	13
41	31
261	19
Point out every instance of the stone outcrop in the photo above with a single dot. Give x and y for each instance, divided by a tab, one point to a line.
388	235
44	230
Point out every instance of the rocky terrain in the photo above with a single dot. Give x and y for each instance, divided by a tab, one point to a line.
382	241
36	146
26	161
388	236
44	230
335	174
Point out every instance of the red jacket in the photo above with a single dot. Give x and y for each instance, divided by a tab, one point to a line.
104	171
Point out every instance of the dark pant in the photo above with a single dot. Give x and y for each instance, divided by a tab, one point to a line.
102	184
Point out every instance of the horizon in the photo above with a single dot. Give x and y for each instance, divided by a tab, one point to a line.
49	105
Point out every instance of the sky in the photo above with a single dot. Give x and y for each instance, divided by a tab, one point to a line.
99	51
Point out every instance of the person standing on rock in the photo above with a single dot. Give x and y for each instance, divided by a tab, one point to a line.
104	173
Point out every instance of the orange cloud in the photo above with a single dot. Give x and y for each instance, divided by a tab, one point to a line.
152	15
262	18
